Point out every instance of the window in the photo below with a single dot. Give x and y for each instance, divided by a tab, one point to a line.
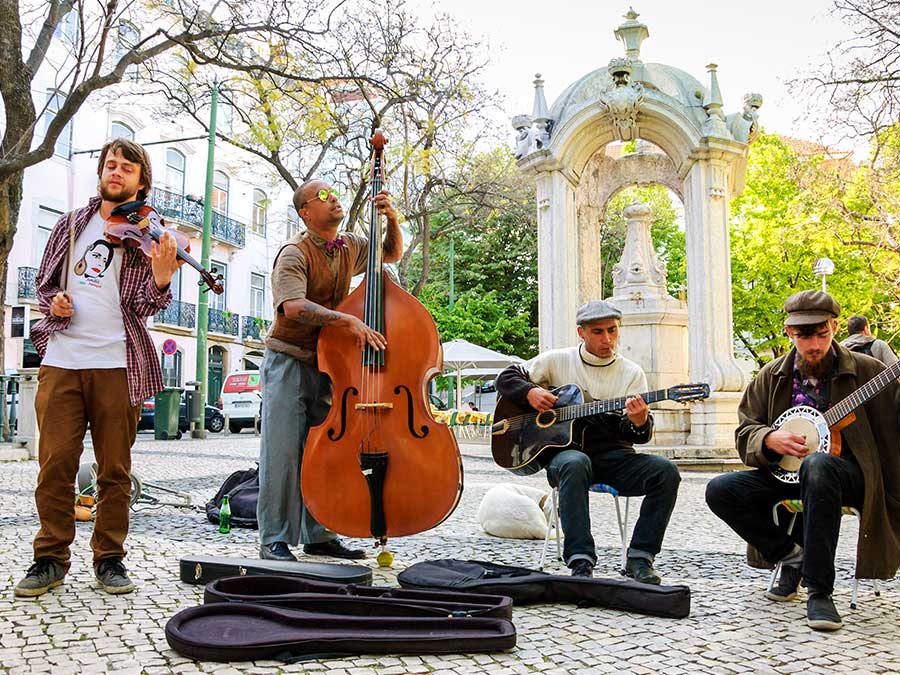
293	222
220	192
260	203
175	286
121	130
218	301
257	295
175	171
67	28
46	220
55	100
171	368
128	37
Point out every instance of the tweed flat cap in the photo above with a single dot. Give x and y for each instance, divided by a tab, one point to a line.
810	307
596	310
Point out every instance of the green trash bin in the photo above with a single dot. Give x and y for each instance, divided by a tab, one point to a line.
165	415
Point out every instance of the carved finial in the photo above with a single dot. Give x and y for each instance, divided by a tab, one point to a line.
715	118
632	33
540	111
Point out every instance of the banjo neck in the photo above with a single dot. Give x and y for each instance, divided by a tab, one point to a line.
873	387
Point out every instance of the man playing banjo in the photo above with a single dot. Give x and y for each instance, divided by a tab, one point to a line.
817	373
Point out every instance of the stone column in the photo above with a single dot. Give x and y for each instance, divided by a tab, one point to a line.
589	272
707	188
654	324
558	252
27	433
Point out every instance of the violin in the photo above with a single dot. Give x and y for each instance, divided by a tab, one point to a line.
136	225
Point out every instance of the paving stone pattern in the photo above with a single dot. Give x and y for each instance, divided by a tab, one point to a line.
77	628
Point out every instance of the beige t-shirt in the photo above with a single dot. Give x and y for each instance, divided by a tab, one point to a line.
290	278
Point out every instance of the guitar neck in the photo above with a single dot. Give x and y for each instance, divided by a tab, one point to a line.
574	412
870	389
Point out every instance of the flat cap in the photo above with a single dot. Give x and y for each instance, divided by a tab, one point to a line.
596	310
810	307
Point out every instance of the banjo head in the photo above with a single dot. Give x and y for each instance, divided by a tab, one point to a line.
809	423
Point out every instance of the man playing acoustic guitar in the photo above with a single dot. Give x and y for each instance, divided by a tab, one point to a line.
817	372
606	453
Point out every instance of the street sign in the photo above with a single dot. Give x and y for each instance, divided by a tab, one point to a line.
19	321
169	347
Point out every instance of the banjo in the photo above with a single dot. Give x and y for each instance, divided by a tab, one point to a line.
822	430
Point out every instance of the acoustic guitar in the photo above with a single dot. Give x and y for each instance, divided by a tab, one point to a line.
822	430
520	435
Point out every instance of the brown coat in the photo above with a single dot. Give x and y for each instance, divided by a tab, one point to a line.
874	439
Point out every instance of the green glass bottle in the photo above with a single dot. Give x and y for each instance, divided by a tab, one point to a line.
225	516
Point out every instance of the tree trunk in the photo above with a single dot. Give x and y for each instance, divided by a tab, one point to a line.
10	199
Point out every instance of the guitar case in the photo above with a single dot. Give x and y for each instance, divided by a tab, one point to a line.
527	587
204	568
303	619
351	599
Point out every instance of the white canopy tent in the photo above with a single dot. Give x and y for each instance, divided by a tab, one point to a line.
462	355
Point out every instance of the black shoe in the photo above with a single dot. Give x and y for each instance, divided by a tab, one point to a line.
113	577
786	588
641	569
276	551
43	575
820	612
335	549
582	568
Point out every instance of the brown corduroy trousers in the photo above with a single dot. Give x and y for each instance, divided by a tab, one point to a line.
66	401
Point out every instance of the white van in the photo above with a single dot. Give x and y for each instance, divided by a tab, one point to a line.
241	399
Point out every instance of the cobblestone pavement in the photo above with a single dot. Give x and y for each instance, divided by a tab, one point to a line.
77	628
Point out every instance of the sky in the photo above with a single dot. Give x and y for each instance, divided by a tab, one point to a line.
759	46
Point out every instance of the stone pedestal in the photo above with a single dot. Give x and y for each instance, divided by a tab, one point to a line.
27	433
714	420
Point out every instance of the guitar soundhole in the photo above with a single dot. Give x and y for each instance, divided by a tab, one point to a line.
545	419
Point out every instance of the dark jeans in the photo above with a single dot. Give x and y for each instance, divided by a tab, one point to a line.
744	500
630	473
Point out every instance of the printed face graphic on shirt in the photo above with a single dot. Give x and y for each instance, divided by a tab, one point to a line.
96	260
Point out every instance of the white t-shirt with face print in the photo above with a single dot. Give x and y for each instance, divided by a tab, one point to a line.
95	337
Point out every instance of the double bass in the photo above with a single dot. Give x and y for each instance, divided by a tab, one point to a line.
380	465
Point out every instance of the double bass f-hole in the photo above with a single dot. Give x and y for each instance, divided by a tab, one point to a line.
410	412
343	429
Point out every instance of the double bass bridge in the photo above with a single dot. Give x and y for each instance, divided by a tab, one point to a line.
373	406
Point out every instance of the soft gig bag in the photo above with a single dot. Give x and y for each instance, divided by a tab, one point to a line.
290	619
528	587
350	599
251	632
202	569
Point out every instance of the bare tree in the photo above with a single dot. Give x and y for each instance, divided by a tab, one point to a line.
99	53
378	68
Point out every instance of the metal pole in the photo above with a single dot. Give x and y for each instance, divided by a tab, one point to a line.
203	296
452	296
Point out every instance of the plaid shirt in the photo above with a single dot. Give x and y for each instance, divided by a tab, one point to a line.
138	295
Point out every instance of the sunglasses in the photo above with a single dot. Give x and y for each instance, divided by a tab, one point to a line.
323	196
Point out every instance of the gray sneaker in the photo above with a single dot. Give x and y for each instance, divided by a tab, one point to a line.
43	575
113	577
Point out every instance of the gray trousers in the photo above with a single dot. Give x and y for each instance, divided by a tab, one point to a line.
295	397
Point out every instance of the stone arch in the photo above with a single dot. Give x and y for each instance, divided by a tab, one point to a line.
707	152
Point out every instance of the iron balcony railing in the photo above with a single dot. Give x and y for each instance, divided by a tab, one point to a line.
173	205
26	286
222	321
254	328
178	313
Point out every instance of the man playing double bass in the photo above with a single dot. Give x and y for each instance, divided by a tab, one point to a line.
311	276
818	372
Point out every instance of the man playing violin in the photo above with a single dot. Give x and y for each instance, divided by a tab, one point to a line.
607	449
98	364
818	372
311	276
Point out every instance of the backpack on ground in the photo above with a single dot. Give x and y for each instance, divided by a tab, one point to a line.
242	488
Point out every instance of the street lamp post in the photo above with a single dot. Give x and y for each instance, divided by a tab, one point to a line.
822	268
203	296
